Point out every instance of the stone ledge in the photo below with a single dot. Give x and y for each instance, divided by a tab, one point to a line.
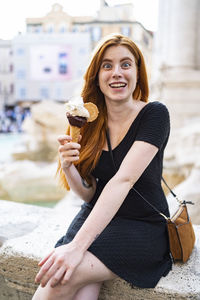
24	246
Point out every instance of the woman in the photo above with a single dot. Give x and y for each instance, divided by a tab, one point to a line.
116	233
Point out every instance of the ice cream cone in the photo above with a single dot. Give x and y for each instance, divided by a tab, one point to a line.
78	115
74	133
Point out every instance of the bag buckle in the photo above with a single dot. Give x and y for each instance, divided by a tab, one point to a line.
166	218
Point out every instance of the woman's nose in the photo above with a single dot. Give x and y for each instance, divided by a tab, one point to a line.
116	71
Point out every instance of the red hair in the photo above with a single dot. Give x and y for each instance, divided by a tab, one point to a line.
94	134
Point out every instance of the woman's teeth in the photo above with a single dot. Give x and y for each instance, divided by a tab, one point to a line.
117	85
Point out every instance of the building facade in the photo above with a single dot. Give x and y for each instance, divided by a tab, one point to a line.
109	19
50	59
6	74
49	66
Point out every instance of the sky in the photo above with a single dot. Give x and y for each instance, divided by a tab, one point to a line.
13	13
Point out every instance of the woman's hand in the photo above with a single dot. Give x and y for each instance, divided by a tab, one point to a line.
59	265
68	151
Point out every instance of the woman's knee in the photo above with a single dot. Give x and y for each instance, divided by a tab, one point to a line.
59	292
90	270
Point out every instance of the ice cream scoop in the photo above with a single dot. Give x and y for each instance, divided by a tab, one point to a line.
76	120
78	115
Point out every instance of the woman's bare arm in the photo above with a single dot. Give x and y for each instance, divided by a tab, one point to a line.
115	191
69	153
78	185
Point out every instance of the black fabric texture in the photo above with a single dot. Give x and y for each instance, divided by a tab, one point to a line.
135	244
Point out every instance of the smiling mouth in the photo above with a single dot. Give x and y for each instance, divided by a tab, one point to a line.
117	85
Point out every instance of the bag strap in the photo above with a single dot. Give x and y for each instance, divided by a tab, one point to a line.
164	181
173	194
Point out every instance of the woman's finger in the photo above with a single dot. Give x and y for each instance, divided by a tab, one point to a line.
79	138
67	276
47	276
45	258
72	145
44	269
62	139
70	153
69	146
58	276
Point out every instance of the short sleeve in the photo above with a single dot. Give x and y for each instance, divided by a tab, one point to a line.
154	125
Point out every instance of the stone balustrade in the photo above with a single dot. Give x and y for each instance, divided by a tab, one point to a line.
28	232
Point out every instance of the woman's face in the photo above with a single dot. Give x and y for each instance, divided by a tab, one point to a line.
117	75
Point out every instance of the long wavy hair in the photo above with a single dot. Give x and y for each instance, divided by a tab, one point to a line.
94	134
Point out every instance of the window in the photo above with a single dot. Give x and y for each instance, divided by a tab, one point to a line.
11	68
20	51
22	93
50	28
62	63
11	88
21	74
38	29
63	28
87	29
96	34
29	28
75	29
44	93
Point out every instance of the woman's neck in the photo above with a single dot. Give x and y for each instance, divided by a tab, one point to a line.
122	112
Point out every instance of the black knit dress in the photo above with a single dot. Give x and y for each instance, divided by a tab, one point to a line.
134	245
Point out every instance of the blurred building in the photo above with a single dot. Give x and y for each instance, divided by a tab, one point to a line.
119	18
49	66
50	59
6	74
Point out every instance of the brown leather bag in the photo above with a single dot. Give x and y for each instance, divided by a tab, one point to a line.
180	230
181	234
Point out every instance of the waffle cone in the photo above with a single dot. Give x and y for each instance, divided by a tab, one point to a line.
74	133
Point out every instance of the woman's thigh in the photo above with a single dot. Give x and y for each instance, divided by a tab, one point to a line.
90	270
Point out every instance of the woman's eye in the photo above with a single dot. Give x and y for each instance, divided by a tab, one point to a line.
126	65
107	66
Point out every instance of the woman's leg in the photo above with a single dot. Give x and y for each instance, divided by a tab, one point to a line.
89	292
90	270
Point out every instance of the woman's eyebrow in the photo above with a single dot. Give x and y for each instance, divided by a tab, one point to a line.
106	59
124	58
